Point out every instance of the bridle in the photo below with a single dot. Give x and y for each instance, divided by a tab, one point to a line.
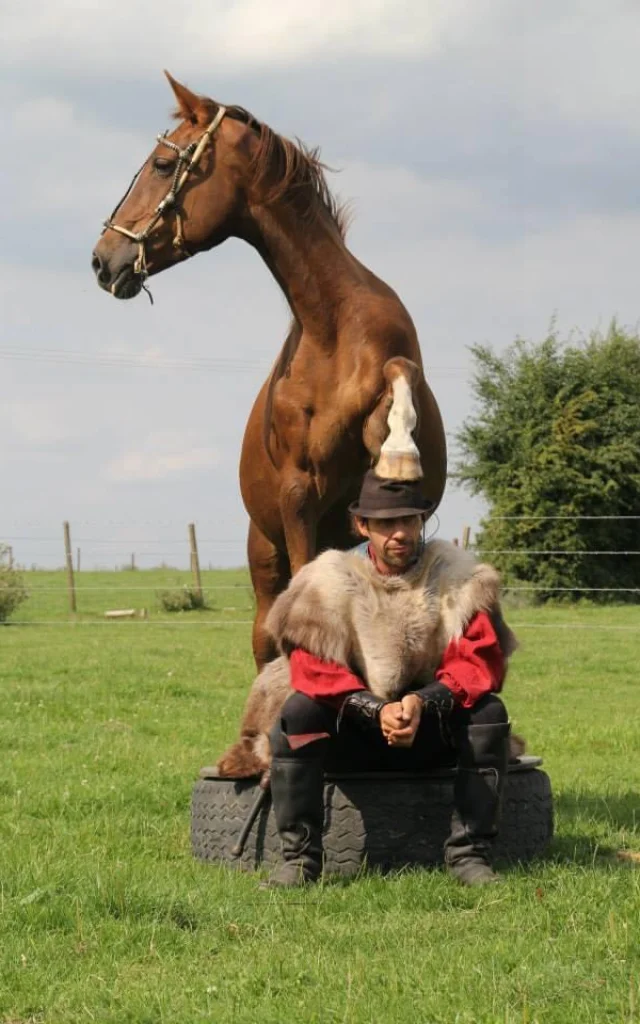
187	159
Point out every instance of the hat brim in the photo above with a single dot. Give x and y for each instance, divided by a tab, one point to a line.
389	513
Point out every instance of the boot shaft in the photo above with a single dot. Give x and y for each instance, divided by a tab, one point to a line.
477	791
297	791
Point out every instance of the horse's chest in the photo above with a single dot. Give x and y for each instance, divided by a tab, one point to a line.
315	418
334	439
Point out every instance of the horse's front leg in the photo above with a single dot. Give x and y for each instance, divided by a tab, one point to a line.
389	429
299	511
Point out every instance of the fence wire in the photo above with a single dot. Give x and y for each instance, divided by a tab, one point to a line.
155	547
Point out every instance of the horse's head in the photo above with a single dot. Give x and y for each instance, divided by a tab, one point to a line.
183	200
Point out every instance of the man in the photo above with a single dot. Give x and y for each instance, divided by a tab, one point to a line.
395	655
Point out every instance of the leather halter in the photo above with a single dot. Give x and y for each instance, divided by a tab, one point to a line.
187	159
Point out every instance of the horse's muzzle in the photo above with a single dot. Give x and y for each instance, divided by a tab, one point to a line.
115	270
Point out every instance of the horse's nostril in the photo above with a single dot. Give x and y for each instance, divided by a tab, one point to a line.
100	269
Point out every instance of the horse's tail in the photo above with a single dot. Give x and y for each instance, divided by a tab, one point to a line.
279	370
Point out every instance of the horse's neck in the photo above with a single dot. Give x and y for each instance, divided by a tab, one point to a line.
310	262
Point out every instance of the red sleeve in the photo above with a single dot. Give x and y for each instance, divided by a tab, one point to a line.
321	679
473	665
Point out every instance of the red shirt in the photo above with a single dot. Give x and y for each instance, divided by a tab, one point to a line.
474	665
471	667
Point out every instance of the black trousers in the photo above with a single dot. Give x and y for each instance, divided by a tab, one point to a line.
352	745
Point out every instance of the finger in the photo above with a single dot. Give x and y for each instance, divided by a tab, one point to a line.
400	734
389	728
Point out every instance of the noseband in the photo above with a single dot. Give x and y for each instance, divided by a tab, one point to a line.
187	159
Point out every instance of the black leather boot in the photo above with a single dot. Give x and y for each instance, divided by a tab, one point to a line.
297	791
482	767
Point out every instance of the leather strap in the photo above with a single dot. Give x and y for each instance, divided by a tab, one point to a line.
436	697
362	707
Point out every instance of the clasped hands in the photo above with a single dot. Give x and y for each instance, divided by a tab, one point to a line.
400	719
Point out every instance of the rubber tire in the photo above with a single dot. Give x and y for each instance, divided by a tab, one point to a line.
384	820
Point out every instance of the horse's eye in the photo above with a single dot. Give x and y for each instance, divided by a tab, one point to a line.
163	166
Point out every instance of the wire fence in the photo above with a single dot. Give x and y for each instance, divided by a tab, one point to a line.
228	603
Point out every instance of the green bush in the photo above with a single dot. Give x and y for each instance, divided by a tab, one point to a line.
553	447
12	589
183	600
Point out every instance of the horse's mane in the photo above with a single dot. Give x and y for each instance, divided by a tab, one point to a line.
291	171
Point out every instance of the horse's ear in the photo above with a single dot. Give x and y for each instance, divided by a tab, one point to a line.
191	107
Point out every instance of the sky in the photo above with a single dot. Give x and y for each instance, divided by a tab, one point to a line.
490	151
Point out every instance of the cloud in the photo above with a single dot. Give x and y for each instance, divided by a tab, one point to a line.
448	93
213	33
160	456
572	62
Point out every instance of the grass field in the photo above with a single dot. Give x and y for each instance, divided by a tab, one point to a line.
104	915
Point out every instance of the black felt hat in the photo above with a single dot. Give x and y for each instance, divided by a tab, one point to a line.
388	499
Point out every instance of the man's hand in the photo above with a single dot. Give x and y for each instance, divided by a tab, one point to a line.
391	718
399	721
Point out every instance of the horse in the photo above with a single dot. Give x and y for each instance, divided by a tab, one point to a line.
348	389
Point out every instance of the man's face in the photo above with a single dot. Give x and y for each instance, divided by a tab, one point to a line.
394	541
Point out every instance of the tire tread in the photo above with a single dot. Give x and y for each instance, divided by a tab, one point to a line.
385	824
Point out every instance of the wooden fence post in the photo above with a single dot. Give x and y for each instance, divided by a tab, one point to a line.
195	561
466	536
69	560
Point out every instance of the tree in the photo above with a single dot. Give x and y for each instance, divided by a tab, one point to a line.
557	434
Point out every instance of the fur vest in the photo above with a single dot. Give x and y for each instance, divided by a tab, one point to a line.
392	631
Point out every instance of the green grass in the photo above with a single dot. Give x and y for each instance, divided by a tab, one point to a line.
105	916
228	594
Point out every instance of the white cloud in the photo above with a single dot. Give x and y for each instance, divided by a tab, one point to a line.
209	34
575	60
161	455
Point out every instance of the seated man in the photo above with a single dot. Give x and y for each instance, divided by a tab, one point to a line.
396	652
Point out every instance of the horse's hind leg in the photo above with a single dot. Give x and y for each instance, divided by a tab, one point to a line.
270	574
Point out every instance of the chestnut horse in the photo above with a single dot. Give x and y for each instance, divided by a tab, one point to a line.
347	390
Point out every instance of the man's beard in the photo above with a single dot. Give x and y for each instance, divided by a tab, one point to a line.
404	558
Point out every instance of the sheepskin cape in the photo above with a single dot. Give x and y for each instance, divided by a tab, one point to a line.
392	631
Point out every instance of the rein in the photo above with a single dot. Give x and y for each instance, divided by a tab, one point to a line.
187	159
